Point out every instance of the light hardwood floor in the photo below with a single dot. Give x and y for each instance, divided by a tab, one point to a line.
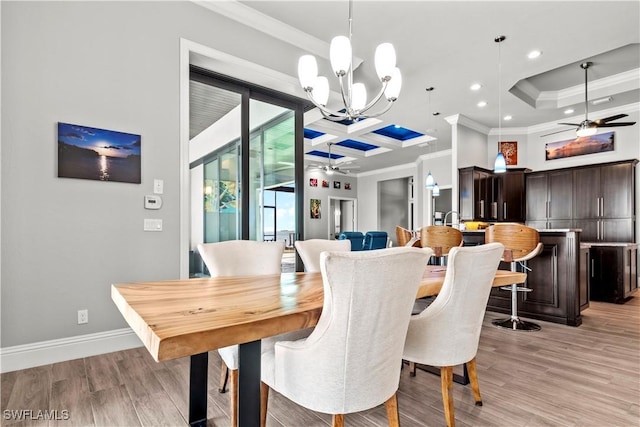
560	376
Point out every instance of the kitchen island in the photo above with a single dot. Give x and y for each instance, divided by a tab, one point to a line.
554	277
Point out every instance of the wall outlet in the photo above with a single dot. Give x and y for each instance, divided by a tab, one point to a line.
83	316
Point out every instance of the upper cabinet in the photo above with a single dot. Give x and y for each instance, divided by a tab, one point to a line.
549	199
603	197
597	199
485	196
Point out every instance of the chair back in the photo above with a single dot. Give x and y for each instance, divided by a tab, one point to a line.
351	361
375	240
355	237
310	250
440	238
520	242
404	237
447	332
242	257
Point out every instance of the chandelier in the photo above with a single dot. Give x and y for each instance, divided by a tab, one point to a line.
354	95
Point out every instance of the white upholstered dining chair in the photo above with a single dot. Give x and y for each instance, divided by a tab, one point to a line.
447	332
241	258
351	361
310	250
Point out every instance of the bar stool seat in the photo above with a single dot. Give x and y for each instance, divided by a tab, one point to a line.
521	243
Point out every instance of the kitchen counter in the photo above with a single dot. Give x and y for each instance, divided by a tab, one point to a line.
554	277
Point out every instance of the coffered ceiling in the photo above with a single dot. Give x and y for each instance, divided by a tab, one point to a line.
449	45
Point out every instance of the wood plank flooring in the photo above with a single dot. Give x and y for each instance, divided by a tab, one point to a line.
560	376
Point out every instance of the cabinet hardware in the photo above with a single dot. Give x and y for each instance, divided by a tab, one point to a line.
505	211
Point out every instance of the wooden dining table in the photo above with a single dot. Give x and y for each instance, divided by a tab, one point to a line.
190	317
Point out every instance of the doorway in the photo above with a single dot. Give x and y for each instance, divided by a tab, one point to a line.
342	216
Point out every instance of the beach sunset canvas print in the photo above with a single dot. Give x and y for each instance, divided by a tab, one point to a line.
104	155
580	146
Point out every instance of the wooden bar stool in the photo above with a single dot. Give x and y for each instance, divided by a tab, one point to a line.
405	237
521	243
440	238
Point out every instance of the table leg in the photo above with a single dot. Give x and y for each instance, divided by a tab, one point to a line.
198	390
249	384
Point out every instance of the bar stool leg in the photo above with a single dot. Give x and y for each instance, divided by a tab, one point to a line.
514	322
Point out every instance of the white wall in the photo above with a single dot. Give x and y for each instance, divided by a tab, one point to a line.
368	193
319	228
65	241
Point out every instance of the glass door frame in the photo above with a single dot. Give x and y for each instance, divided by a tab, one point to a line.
249	91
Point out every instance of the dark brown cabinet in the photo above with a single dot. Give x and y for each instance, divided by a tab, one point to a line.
475	185
485	196
614	272
554	277
549	199
603	199
508	204
585	276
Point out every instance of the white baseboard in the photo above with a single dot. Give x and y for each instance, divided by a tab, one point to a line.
47	352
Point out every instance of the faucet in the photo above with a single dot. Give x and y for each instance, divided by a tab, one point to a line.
447	215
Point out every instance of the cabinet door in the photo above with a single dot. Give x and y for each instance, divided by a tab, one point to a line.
511	201
586	193
560	193
590	229
616	230
616	187
481	182
536	197
465	182
585	263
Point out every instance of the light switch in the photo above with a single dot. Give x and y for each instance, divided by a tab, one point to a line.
158	186
152	224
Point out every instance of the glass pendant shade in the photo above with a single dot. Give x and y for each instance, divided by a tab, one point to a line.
436	190
307	71
340	55
358	96
385	60
500	165
429	182
585	130
393	87
321	90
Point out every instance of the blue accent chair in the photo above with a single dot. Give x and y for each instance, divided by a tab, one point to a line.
375	240
356	238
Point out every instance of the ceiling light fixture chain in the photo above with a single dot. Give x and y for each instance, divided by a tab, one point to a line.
500	164
354	95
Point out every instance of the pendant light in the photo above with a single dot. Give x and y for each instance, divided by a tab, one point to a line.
436	190
500	165
430	181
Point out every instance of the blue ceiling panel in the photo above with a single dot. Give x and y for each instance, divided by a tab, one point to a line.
324	154
397	132
357	145
311	134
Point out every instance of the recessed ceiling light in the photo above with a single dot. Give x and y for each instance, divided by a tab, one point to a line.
475	86
436	113
568	111
534	54
507	118
482	104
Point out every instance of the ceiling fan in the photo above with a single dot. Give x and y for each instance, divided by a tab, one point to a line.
330	168
590	127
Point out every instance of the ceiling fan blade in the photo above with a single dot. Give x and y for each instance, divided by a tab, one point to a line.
569	124
614	125
611	118
553	133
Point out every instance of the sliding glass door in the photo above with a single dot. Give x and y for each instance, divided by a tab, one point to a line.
246	155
